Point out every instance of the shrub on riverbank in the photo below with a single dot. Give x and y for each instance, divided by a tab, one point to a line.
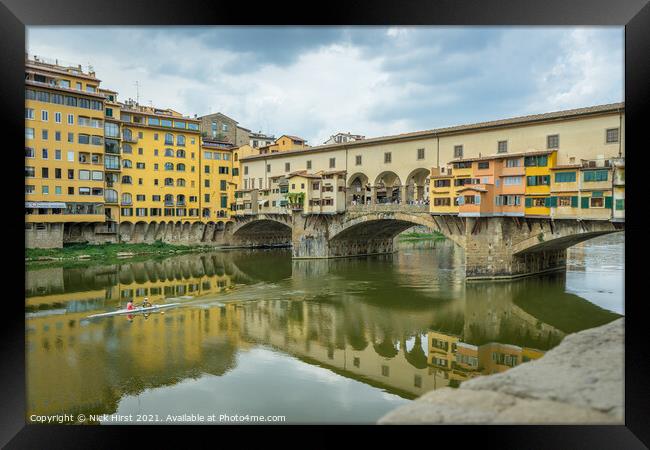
107	250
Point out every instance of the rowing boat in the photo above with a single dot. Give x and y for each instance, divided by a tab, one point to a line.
137	310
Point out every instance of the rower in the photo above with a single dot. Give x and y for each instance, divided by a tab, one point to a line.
129	305
145	303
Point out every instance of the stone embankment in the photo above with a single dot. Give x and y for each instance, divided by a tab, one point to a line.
578	382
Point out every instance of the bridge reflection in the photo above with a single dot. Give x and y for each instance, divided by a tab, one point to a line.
433	334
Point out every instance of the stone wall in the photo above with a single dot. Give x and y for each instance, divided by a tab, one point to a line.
45	235
578	382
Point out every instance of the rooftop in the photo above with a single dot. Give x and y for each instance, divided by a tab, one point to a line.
610	108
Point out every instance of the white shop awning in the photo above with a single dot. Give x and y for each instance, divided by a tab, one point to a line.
263	202
51	205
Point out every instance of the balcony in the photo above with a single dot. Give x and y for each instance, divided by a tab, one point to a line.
130	139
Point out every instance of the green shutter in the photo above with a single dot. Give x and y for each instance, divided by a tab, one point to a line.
574	201
529	202
608	202
584	202
553	201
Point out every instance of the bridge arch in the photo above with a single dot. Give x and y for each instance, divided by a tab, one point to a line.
358	188
262	230
416	185
388	187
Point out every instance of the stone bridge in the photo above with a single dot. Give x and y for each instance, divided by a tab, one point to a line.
495	247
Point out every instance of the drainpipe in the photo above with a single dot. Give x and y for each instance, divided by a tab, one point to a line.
620	134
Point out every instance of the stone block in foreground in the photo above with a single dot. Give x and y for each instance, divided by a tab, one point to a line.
578	382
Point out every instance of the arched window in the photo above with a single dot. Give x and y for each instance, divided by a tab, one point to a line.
169	152
169	181
180	182
169	199
180	199
180	167
126	179
127	149
127	134
127	164
126	199
110	196
169	166
180	140
180	153
169	139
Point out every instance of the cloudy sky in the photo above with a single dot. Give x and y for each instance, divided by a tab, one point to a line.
314	82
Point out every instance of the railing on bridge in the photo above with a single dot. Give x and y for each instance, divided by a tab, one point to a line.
388	207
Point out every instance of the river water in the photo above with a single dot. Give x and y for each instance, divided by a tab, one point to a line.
257	334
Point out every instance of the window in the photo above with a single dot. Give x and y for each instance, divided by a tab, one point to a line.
140	197
206	169
57	173
84	139
84	191
70	119
29	133
30	172
180	167
170	166
444	201
169	139
140	165
45	189
223	170
70	156
484	165
388	157
206	198
564	201
179	153
458	151
594	175
536	161
511	181
57	117
169	152
538	180
358	160
287	168
44	115
44	134
84	174
332	163
127	164
502	147
553	141
45	172
29	113
57	136
565	177
180	140
513	162
126	179
611	135
309	164
71	137
385	370
126	199
29	152
596	202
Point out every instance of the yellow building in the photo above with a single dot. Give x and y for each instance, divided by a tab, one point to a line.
160	166
442	195
217	186
538	182
64	149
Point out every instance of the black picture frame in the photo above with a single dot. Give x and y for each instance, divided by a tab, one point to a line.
633	14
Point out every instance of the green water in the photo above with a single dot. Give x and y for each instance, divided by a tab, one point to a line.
339	341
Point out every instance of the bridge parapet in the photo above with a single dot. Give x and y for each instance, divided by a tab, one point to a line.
388	207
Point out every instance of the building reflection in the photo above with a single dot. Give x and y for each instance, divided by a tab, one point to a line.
406	345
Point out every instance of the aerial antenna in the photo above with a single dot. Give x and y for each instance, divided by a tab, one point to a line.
137	92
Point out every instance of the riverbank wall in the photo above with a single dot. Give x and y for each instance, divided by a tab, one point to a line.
581	381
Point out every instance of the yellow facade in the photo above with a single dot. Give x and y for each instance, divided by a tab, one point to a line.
442	194
160	166
538	183
64	145
217	186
